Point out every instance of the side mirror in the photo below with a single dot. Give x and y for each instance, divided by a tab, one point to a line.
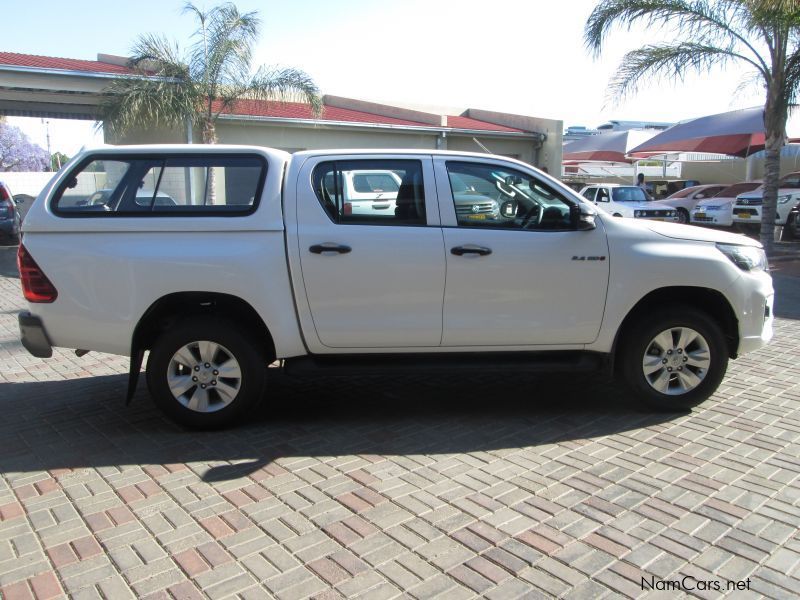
582	217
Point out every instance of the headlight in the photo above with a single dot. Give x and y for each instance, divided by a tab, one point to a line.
784	199
747	258
672	213
637	213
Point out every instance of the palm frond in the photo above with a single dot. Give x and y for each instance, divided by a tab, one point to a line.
667	61
724	22
134	102
156	55
284	84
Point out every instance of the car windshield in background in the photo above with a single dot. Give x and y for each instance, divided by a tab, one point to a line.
791	181
737	188
629	194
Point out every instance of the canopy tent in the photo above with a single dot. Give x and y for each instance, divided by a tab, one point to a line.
607	147
735	133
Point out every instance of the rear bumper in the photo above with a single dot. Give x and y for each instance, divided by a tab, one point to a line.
33	336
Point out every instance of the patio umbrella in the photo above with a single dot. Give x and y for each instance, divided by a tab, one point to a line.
611	146
736	133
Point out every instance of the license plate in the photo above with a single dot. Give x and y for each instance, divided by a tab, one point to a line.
744	215
476	217
699	215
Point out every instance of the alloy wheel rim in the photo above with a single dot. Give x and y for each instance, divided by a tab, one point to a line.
204	376
676	361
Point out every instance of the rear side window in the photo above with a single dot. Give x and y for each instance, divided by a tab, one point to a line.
371	192
163	185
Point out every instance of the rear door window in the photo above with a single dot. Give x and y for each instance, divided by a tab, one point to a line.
371	191
163	185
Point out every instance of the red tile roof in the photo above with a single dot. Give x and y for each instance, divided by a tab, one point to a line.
64	64
288	110
468	123
298	110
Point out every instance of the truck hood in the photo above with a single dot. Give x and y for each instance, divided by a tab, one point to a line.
698	234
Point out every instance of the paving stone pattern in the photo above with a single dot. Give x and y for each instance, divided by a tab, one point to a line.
422	487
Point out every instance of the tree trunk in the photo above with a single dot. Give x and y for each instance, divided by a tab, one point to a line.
209	133
776	112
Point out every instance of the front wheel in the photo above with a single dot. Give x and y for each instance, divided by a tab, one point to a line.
683	216
673	359
206	372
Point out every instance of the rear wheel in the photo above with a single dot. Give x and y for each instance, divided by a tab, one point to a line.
674	359
206	373
790	230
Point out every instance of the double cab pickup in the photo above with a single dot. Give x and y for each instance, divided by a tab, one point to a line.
216	261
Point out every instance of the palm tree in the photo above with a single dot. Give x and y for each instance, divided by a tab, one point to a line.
763	35
173	89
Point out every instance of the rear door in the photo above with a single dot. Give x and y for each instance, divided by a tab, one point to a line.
371	280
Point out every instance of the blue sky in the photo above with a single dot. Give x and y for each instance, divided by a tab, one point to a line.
522	56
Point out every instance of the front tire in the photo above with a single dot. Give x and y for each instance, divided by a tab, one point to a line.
206	372
673	359
683	216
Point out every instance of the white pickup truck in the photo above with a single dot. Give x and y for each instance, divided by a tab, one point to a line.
255	258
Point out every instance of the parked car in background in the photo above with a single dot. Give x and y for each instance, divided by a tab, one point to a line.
747	208
628	201
365	192
663	188
9	216
718	211
23	203
684	200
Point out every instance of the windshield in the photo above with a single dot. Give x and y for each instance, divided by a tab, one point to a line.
629	194
738	188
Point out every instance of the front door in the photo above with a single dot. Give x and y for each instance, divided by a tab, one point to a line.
520	275
373	278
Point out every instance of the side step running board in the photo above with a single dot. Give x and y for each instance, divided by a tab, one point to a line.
509	362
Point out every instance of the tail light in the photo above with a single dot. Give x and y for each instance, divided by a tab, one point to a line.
36	287
7	207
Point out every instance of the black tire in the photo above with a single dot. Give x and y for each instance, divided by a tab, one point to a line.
235	342
789	232
683	216
636	342
617	215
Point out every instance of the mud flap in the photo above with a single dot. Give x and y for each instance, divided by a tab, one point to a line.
137	356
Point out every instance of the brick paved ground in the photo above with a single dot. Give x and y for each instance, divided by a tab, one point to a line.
436	487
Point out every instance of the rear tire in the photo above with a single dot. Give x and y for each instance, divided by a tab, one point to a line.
789	232
673	359
206	372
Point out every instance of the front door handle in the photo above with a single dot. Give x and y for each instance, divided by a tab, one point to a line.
329	247
462	250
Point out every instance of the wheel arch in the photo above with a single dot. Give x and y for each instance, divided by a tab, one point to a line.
170	308
710	301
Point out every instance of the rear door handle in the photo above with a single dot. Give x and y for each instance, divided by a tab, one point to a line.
329	247
462	250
